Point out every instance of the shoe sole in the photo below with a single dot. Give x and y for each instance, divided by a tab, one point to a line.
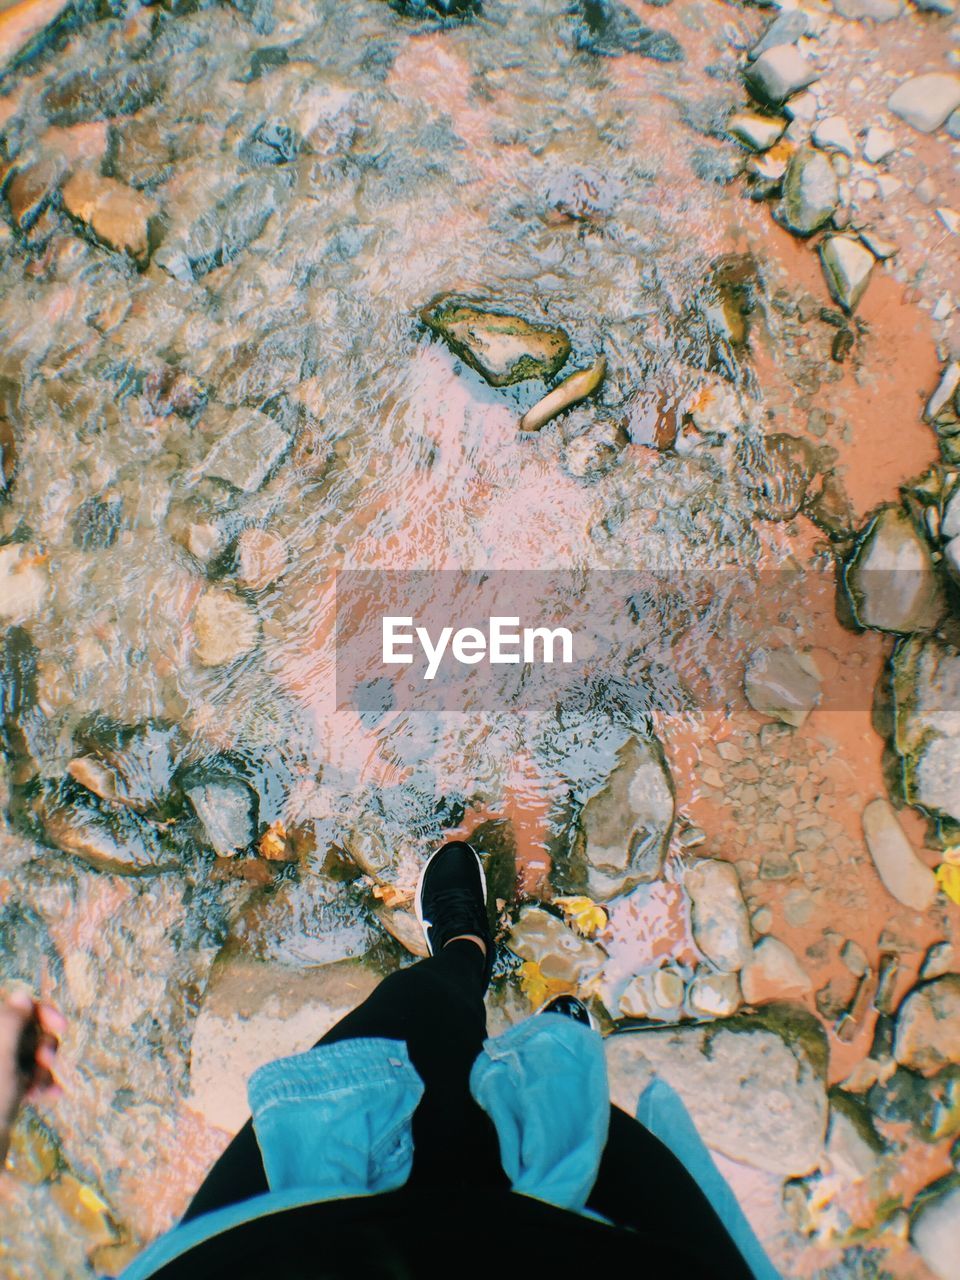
593	1024
418	904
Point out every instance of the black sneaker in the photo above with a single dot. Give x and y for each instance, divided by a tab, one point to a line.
570	1007
452	900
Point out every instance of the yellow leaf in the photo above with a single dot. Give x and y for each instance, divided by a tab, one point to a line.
273	842
91	1200
584	914
948	878
391	896
952	855
538	988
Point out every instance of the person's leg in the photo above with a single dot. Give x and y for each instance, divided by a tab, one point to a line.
436	1007
642	1184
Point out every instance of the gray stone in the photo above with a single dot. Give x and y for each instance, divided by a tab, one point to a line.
926	682
935	1229
624	828
904	875
833	134
721	926
878	144
943	957
561	954
854	1149
855	958
783	684
926	101
773	973
714	995
942	401
953	124
224	628
950	524
778	73
928	1026
891	579
846	267
936	6
248	447
876	10
754	1088
658	996
754	130
253	1013
225	810
786	28
811	192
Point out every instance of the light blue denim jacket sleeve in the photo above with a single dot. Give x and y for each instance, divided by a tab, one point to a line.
336	1122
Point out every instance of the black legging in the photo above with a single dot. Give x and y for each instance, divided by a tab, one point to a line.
437	1008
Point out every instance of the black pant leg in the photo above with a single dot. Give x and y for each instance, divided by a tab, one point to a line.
642	1184
435	1007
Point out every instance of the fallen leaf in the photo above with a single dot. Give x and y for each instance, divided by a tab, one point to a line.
538	988
391	896
948	878
586	916
273	842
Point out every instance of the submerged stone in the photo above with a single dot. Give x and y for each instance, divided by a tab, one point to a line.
225	809
624	828
23	582
119	217
721	926
502	348
116	840
782	683
756	131
224	628
928	1026
561	954
929	1104
609	28
891	580
714	995
773	973
126	764
777	470
935	1228
778	73
248	447
103	93
811	192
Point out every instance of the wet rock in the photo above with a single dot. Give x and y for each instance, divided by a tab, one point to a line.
609	28
928	1026
140	153
855	958
624	828
811	192
561	954
891	580
756	131
249	446
261	558
929	1104
854	1149
904	875
846	267
272	142
226	811
224	628
833	134
595	451
714	995
715	165
222	233
777	470
84	1206
103	93
124	764
830	509
935	1229
777	74
782	683
22	27
878	144
721	926
9	458
253	1013
405	927
496	843
117	841
657	996
96	523
581	194
786	28
773	973
941	405
23	582
943	957
504	349
926	101
753	1087
119	217
168	390
35	1154
926	682
31	189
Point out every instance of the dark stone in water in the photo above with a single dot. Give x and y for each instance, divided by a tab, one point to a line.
140	153
8	457
931	1106
373	699
66	816
169	390
273	142
430	8
26	945
502	348
98	94
496	843
719	166
778	468
222	233
266	60
96	523
137	761
608	28
18	673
